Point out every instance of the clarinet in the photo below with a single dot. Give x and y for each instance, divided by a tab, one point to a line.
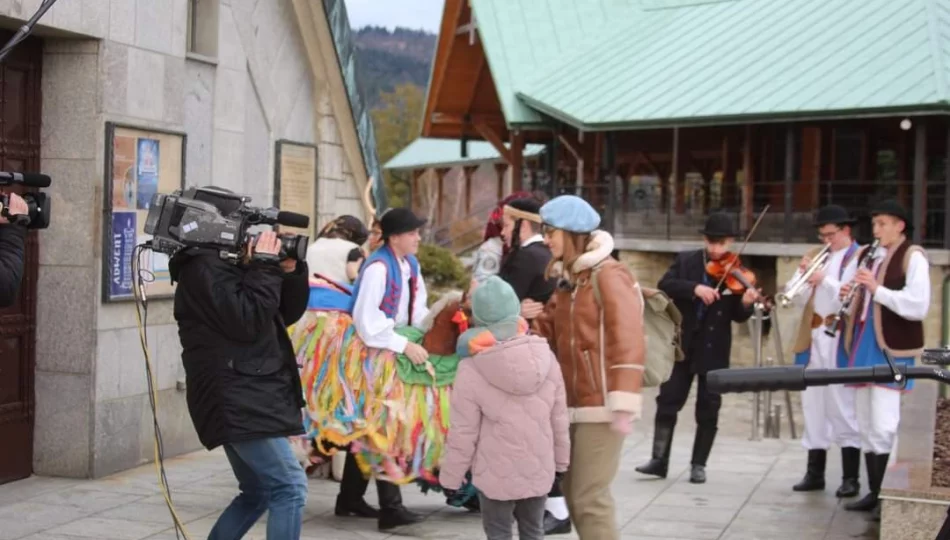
867	261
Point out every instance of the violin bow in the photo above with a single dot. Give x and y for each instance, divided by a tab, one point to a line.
744	244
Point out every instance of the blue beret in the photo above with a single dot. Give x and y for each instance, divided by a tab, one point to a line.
570	213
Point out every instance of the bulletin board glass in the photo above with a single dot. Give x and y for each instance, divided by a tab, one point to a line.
138	164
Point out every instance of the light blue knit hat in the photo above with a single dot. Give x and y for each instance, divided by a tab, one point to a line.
570	213
494	301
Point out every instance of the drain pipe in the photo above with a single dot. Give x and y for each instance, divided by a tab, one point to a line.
945	324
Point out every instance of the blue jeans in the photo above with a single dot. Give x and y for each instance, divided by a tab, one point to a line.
271	479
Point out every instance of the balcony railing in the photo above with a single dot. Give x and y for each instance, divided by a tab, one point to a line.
650	210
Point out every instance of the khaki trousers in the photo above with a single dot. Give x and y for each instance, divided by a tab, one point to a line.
595	459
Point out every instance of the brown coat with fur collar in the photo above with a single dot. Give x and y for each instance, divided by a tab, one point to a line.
600	351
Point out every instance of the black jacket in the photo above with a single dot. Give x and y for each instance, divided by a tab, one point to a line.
241	373
524	271
707	331
12	240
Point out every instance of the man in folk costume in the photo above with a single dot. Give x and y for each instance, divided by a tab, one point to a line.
524	269
886	317
390	292
829	410
708	314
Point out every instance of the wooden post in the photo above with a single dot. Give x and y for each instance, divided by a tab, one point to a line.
946	196
517	160
610	166
789	187
920	182
675	174
745	218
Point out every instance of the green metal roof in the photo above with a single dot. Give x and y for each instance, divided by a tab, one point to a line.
521	37
742	59
424	153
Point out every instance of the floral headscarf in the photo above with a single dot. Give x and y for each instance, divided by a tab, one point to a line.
493	228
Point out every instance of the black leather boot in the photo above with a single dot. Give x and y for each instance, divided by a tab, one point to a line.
659	464
553	525
353	486
850	467
702	446
814	479
392	513
872	463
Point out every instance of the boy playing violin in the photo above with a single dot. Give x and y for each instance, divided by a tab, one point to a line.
708	310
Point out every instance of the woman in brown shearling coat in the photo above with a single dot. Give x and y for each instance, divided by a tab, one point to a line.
599	344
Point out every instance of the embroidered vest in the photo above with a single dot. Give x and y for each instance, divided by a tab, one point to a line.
390	302
803	340
894	334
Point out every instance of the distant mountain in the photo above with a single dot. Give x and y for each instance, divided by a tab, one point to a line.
387	59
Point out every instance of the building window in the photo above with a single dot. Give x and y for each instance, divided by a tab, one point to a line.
203	27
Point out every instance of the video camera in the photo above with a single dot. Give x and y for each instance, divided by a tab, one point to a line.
38	204
215	218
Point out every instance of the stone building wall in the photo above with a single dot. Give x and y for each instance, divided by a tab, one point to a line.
125	61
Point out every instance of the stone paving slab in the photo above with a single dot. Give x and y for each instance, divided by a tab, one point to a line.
748	496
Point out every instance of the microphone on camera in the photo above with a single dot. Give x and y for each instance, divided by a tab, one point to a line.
26	179
293	219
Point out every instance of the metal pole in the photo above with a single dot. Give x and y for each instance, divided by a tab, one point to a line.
780	355
755	327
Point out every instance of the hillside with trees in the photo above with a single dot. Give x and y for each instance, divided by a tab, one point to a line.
394	72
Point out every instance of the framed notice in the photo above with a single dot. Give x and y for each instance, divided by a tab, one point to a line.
295	183
138	164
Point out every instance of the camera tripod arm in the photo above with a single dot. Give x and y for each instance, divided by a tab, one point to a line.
24	31
769	379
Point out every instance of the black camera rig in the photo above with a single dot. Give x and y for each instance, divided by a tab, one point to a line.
215	218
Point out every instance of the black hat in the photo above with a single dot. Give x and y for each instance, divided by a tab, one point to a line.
527	208
719	225
833	214
399	221
890	207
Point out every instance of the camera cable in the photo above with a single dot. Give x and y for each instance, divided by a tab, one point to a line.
139	278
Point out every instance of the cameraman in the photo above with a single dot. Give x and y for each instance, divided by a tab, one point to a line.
243	387
12	238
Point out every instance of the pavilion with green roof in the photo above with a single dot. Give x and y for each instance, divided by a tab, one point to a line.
659	111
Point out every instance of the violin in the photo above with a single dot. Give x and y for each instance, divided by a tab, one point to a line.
729	272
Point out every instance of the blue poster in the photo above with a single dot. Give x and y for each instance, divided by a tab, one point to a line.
147	172
120	260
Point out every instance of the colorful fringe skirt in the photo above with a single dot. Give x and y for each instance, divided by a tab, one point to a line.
357	398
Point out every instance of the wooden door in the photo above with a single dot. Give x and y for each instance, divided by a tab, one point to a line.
19	152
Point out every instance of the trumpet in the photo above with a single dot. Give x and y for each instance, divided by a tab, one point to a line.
785	298
867	261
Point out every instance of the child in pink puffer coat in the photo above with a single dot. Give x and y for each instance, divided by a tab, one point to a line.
509	422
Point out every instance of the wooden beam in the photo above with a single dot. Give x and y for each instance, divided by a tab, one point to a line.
516	155
489	135
462	119
747	179
450	22
920	182
789	180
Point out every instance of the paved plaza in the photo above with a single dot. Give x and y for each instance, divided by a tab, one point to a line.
748	496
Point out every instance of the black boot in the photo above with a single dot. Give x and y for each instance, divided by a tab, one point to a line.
850	466
872	463
659	464
353	486
702	446
814	473
553	525
392	513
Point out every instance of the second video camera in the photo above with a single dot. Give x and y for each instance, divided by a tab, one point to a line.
215	218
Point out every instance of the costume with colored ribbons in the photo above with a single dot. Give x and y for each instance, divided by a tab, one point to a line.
393	413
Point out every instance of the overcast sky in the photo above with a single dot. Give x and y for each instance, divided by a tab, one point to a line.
414	14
